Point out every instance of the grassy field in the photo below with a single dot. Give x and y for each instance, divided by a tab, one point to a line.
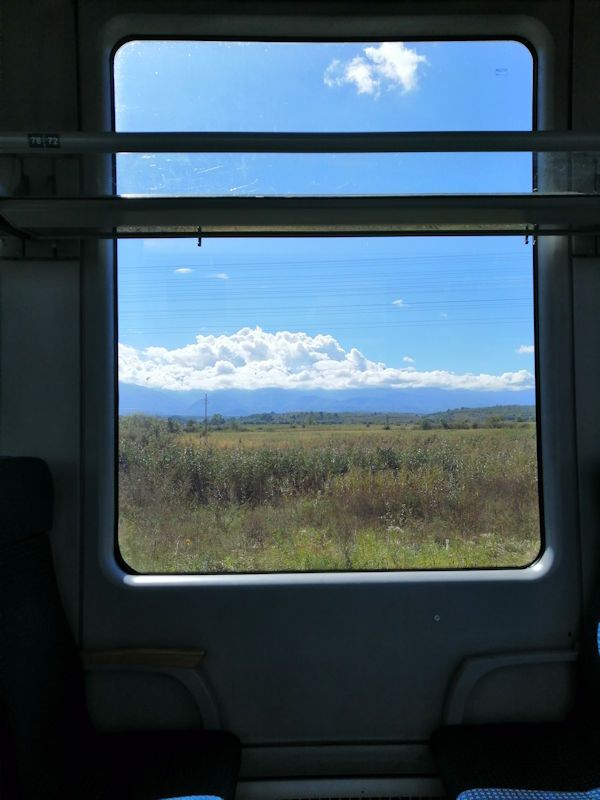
283	436
276	498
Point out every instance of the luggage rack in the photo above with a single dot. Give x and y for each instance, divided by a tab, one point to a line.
410	215
559	211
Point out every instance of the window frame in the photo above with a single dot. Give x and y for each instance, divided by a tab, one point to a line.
525	29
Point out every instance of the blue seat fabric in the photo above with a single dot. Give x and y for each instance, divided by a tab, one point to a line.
526	794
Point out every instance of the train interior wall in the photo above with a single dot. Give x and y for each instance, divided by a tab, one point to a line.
320	676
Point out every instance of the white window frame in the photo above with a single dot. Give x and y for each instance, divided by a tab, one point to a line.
557	418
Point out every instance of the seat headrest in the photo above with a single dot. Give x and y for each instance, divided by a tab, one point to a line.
26	498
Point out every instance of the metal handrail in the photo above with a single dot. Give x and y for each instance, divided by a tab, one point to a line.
75	143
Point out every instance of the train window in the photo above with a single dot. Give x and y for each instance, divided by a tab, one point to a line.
321	404
319	87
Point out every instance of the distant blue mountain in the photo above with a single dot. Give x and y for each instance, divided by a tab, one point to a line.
239	402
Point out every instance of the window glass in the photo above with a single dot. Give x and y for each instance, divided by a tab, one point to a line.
322	87
309	403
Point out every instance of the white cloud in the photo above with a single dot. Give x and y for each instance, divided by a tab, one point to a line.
222	276
253	359
408	360
399	302
388	65
183	271
360	73
525	349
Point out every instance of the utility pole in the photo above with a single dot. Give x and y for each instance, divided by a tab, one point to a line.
205	415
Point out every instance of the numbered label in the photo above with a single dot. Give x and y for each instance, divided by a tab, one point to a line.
44	140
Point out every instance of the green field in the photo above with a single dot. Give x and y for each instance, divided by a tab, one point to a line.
278	497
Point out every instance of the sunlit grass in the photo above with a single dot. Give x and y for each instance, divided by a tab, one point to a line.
350	499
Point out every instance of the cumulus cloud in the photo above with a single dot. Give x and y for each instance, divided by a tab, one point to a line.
388	65
525	349
399	302
222	276
183	271
254	359
408	360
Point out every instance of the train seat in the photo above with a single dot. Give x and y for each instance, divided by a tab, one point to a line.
48	747
524	759
527	794
542	757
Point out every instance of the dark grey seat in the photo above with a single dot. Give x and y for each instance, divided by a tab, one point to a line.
560	756
544	757
48	747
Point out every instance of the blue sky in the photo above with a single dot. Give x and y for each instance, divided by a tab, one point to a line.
330	313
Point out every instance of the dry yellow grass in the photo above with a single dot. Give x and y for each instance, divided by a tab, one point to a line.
327	498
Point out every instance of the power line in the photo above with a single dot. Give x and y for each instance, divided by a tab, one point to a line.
236	326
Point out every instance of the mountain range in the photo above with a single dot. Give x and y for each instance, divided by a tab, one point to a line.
239	402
